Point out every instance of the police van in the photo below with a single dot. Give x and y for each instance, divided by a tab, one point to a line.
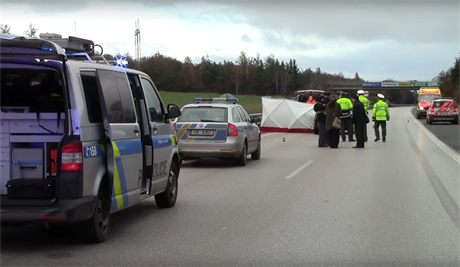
80	140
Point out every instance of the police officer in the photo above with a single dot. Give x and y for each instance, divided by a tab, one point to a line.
320	111
365	102
380	116
347	123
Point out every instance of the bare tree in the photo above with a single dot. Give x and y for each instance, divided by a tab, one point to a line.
32	31
5	28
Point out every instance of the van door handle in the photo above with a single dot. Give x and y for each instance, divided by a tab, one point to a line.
154	128
136	131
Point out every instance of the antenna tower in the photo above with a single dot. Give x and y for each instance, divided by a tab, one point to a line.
137	43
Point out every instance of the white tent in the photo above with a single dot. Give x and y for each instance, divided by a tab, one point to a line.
283	115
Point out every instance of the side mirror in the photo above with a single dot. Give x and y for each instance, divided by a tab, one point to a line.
256	119
173	111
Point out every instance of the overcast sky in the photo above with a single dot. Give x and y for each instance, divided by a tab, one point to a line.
403	40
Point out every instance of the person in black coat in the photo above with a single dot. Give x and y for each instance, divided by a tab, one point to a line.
360	121
320	111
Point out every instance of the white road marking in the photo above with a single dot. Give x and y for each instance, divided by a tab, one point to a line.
449	151
301	168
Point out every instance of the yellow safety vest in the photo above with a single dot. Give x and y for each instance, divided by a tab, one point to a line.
380	111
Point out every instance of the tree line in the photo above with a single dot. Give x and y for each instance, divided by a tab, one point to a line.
251	75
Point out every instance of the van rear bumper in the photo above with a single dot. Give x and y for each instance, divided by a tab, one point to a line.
71	210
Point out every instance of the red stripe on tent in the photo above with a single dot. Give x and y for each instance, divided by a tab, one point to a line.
284	130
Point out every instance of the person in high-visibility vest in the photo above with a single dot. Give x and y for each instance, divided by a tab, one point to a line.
365	102
311	100
347	107
320	117
380	116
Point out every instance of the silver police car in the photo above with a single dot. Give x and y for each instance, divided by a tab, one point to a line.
217	128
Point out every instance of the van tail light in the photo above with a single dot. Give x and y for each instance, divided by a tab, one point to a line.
72	157
455	109
232	130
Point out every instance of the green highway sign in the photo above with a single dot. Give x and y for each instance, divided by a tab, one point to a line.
424	84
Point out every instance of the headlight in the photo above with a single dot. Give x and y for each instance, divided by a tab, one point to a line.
422	108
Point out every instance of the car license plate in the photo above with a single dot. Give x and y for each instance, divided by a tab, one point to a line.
202	132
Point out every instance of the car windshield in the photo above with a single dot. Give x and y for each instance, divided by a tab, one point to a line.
427	98
204	114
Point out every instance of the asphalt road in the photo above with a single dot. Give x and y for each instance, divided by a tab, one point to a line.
390	204
446	132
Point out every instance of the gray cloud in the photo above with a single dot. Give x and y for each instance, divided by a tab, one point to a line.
271	39
362	21
245	38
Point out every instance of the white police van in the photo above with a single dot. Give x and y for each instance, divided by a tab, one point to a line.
218	128
80	140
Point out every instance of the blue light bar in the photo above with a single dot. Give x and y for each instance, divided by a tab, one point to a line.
216	100
121	61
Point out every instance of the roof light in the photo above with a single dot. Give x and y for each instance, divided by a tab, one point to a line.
121	62
216	100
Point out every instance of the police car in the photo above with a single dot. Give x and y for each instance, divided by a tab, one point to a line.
442	110
80	140
217	128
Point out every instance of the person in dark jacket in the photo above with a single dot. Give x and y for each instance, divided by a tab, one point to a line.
320	111
359	120
333	111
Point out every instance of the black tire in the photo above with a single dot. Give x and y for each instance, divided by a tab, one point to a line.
256	154
418	115
168	198
242	159
97	228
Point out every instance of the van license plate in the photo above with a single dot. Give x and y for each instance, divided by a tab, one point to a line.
202	132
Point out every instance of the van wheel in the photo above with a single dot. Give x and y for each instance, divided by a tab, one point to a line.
242	159
167	199
96	229
256	154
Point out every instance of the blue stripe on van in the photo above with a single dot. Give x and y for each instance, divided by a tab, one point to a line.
20	162
161	141
129	147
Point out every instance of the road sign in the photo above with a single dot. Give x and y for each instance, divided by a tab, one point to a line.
404	84
389	84
424	84
371	84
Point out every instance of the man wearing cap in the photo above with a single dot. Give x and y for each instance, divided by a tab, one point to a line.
346	105
380	116
365	102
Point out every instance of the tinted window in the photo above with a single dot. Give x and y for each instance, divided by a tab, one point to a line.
440	103
93	104
204	114
246	114
117	96
235	115
153	101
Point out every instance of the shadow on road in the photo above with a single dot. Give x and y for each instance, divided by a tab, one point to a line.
212	163
59	239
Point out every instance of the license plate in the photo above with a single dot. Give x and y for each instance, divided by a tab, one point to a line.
202	132
443	113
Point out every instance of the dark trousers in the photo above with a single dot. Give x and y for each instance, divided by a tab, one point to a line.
346	124
359	133
365	130
322	138
384	129
333	137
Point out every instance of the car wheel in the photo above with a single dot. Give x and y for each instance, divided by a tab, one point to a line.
256	154
167	198
97	228
418	115
242	159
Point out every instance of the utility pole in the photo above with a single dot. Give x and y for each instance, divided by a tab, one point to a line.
75	23
137	43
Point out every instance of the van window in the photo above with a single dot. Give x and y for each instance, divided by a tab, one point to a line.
203	114
153	101
243	116
93	104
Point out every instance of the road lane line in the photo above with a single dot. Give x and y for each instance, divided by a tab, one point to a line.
449	151
301	168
